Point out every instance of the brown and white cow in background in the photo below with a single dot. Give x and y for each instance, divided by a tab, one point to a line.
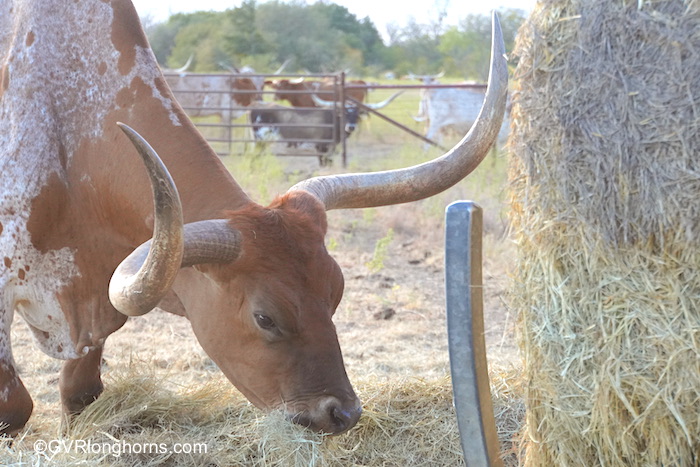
257	79
256	283
300	92
226	95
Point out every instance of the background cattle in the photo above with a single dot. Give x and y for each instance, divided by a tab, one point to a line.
319	125
225	95
452	109
296	126
222	95
258	80
298	92
426	79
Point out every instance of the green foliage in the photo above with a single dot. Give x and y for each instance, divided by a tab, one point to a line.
376	264
466	52
325	37
243	38
332	244
261	176
302	33
461	50
183	35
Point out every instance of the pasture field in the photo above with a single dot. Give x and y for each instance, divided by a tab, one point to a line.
161	388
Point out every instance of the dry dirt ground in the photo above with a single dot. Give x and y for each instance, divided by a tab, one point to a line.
391	322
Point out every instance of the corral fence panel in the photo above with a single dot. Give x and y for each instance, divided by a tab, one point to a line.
213	102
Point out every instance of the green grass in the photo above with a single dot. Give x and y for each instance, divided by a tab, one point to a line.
376	264
261	175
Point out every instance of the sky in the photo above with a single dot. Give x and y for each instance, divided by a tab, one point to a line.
381	12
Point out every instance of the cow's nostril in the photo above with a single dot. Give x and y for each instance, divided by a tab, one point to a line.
340	418
344	419
330	416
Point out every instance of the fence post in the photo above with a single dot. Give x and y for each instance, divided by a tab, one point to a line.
465	332
341	128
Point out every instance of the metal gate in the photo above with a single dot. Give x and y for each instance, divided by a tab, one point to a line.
220	106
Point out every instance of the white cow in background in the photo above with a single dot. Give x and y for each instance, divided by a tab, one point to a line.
453	109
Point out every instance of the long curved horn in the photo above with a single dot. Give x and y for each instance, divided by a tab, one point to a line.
281	68
139	282
321	102
229	68
187	64
146	275
210	241
424	180
384	103
324	103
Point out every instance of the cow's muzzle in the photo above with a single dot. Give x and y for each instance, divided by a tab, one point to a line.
330	415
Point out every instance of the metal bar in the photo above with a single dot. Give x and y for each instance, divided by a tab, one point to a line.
395	123
341	127
417	86
339	94
273	141
465	332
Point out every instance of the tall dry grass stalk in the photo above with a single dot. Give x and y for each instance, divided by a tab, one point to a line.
605	186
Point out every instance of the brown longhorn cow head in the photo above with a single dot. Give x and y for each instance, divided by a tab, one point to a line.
261	287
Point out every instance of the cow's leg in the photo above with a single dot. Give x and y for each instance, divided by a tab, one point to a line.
15	402
80	382
433	131
226	120
323	150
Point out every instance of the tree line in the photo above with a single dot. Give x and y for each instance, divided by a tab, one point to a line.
324	37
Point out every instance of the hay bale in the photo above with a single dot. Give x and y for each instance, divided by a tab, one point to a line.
605	193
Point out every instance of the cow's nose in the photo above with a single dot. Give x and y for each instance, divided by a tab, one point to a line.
331	415
341	418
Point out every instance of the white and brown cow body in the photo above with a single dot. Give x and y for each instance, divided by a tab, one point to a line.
256	283
452	109
74	196
223	95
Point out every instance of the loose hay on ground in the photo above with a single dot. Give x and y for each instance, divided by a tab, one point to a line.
405	422
605	186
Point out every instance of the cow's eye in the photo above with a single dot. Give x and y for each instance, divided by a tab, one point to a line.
265	322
